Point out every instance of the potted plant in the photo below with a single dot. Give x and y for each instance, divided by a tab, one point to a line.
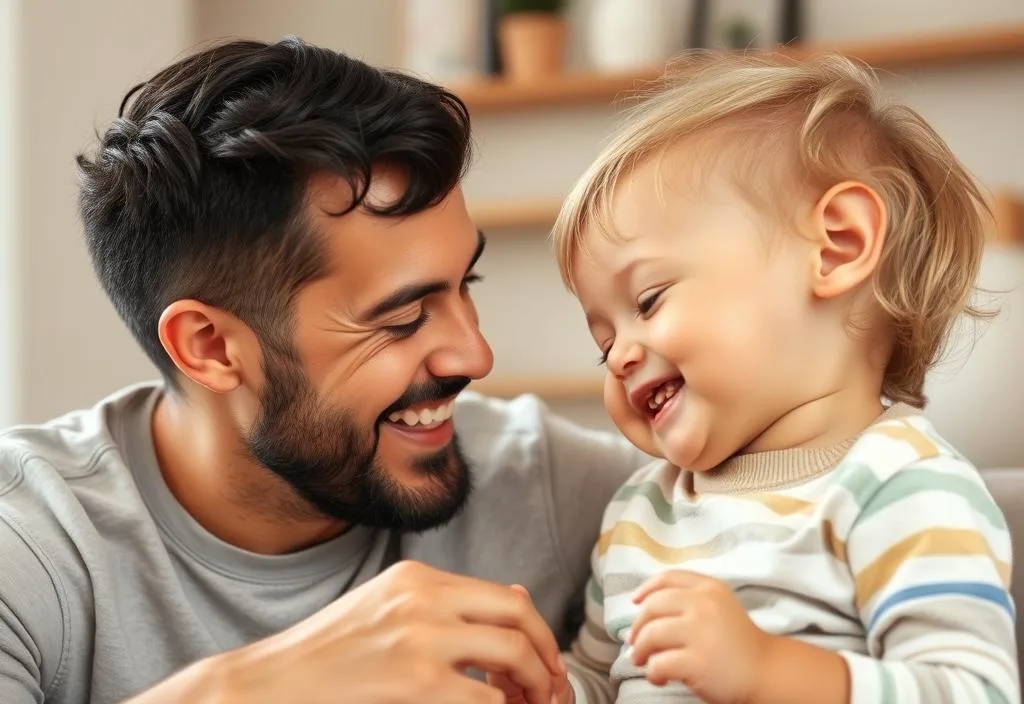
532	34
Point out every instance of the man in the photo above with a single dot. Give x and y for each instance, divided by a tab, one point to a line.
282	229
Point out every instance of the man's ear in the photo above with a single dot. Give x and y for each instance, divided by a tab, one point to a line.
208	345
848	224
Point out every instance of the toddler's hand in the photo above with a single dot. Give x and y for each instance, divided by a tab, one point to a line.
514	694
694	630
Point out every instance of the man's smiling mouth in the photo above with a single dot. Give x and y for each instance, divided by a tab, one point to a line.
424	416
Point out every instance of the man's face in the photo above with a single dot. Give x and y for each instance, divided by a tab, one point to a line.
356	417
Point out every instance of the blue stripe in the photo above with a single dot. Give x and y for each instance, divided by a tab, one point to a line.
978	590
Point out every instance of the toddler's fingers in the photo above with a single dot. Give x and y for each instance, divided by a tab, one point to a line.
671	578
667	603
671	665
658	636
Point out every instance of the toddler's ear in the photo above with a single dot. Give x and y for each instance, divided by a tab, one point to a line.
848	225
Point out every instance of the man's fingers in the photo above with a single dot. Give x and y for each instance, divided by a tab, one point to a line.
665	603
465	690
497	605
501	651
439	594
657	636
667	579
562	690
502	682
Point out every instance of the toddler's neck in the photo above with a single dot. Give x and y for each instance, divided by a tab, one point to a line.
767	470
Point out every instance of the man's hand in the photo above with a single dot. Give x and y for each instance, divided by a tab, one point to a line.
692	629
515	694
405	636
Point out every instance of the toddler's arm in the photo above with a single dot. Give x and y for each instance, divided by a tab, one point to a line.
594	651
931	557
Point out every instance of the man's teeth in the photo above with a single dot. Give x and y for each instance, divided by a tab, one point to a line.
425	416
664	393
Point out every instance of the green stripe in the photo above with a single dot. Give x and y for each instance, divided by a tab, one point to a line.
994	695
859	481
617	624
888	686
652	492
872	495
594	592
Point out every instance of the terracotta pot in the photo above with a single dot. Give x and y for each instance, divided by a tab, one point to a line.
532	45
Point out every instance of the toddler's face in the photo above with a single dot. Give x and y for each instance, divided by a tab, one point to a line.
701	314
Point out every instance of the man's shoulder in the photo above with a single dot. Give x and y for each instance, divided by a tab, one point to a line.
523	435
60	482
57	478
70	446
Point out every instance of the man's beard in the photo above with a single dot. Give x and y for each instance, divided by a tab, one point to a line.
331	463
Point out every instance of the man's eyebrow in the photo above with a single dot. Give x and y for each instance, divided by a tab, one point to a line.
481	242
414	292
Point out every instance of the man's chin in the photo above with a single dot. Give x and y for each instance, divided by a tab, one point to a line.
427	489
423	471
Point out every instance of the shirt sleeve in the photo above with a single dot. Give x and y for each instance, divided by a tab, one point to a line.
930	554
30	625
594	651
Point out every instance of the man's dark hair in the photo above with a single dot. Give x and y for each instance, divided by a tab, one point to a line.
198	187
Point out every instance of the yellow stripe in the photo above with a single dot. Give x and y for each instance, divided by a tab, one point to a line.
780	504
832	541
933	542
907	433
632	535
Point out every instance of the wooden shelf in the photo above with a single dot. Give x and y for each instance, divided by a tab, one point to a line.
562	388
567	89
540	213
589	88
930	50
1007	208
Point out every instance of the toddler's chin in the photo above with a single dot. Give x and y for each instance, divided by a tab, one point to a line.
683	448
685	442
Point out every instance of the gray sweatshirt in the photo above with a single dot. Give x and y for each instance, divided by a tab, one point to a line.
108	586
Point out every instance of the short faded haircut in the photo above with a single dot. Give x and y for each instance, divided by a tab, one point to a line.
821	120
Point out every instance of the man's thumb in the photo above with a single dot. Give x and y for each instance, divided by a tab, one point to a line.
520	588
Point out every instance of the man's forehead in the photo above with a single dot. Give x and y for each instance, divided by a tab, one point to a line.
330	193
366	249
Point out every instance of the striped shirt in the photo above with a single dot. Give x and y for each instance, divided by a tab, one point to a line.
887	549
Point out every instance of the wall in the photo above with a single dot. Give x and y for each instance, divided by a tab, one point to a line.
533	325
976	108
9	64
367	30
71	348
76	62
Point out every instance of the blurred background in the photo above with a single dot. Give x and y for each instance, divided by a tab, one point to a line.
543	81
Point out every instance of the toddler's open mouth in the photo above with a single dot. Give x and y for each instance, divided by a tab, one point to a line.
663	393
651	398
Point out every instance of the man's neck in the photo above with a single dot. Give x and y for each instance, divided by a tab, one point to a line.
206	468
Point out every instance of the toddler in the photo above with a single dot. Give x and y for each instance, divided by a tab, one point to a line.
770	259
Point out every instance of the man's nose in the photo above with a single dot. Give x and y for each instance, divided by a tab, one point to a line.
463	350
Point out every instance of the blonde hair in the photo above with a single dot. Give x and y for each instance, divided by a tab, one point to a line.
828	115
